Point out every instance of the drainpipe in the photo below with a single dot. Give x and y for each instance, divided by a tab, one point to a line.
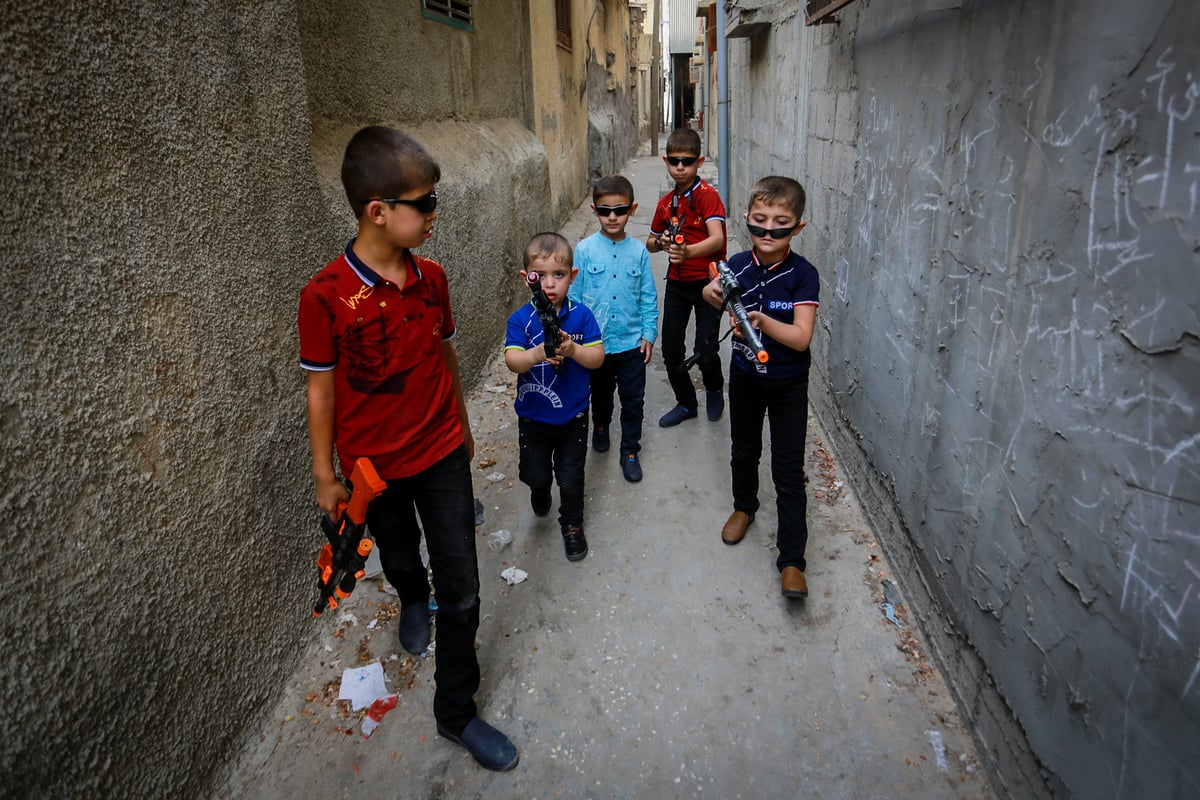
722	107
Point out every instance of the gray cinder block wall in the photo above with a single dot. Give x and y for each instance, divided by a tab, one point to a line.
169	185
1003	204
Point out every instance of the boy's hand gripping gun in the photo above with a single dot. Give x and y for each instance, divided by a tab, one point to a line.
547	316
341	562
732	290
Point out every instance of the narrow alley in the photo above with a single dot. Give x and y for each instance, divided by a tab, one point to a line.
665	664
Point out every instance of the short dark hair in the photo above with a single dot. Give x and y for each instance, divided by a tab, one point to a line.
547	244
684	140
776	190
383	162
613	184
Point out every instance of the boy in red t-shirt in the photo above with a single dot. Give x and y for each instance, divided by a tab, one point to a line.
383	382
701	216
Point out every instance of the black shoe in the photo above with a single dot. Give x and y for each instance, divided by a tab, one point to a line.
714	404
574	544
600	439
676	415
631	469
491	748
414	627
540	501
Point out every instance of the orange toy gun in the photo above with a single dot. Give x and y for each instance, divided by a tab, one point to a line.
732	290
342	561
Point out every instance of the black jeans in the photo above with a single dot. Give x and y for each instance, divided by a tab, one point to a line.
785	402
443	497
626	374
679	300
550	452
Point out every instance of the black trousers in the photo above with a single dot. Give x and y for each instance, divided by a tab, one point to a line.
555	452
624	373
785	403
443	497
680	299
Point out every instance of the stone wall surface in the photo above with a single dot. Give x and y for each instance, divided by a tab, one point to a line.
170	183
1003	206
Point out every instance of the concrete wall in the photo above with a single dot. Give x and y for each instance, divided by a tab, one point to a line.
560	102
166	195
1003	205
612	103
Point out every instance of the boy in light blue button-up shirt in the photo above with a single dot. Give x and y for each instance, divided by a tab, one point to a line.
616	283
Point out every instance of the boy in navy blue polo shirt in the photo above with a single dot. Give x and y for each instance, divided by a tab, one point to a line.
780	291
552	394
383	382
616	283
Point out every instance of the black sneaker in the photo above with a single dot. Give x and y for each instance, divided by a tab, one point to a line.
540	501
574	544
600	439
676	415
714	404
630	468
414	627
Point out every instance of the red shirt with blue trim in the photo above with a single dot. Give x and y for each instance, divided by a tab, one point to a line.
694	207
393	392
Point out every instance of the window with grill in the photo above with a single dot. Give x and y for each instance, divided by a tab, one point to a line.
452	12
562	22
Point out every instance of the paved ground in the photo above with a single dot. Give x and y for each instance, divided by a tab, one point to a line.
665	664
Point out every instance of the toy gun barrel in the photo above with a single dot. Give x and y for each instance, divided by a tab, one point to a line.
547	316
732	290
343	559
674	231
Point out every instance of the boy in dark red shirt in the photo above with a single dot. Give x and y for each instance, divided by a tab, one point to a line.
383	382
701	215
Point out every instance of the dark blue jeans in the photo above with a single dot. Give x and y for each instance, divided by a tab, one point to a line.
550	452
680	299
785	403
443	497
626	374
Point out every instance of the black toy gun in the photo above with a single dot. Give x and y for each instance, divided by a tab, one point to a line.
551	330
342	561
674	232
732	290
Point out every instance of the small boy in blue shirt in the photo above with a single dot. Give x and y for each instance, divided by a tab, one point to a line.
780	291
616	283
552	394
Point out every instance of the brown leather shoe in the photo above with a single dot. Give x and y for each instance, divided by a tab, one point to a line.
735	527
793	583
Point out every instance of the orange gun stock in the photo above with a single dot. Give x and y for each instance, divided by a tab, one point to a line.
342	560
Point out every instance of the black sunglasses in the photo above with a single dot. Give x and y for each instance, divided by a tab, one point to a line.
684	161
773	233
620	211
426	203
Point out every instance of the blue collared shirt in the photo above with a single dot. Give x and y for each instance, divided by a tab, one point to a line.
616	283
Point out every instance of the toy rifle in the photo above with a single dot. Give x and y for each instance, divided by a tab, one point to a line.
732	290
342	561
674	231
551	330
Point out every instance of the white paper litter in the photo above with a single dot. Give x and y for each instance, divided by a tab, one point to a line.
363	685
496	477
514	575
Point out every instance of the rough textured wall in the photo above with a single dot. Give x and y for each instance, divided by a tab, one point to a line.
161	214
560	104
1009	332
612	107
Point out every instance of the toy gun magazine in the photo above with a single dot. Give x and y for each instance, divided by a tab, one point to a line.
732	290
547	316
342	561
